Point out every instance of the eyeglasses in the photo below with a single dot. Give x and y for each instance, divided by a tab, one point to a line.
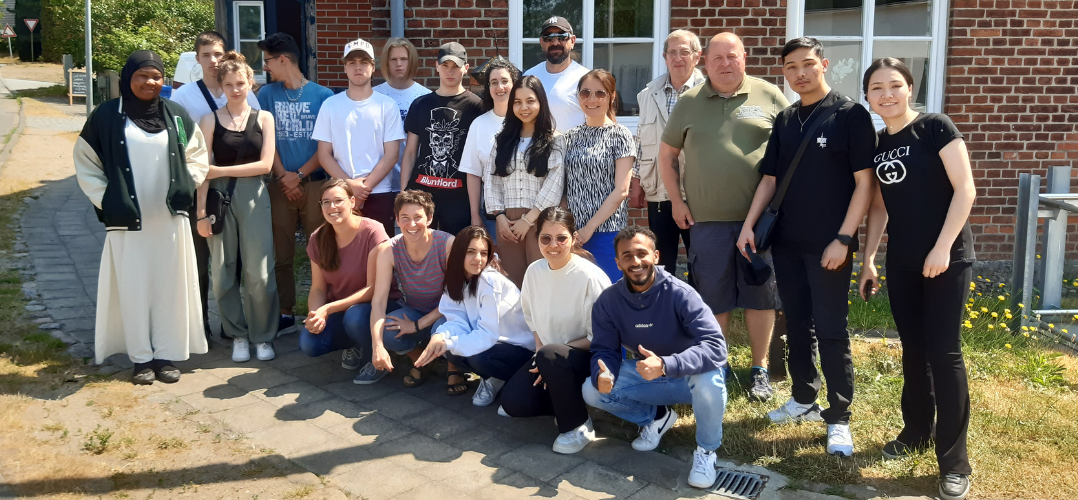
334	203
555	37
684	54
266	61
585	94
546	239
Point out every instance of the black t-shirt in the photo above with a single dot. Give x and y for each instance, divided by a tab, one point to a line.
819	194
917	191
442	125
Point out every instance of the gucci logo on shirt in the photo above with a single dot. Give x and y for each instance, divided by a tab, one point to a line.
891	172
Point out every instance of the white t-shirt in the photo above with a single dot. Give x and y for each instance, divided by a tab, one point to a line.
557	304
480	142
190	97
358	131
561	93
404	99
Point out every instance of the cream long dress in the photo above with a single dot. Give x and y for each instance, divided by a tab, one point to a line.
148	303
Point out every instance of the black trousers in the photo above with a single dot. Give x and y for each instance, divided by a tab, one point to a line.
667	232
564	370
501	361
452	210
935	393
202	261
815	302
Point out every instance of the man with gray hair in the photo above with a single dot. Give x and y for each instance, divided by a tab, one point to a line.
681	51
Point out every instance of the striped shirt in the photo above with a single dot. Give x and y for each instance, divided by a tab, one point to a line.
420	282
590	156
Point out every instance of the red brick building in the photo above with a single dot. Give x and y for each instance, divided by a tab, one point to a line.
1006	71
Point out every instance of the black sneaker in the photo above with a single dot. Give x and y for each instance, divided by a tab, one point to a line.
761	386
896	449
954	486
286	325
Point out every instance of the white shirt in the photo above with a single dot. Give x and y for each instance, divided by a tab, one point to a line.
557	303
403	98
358	131
479	143
490	316
561	93
190	97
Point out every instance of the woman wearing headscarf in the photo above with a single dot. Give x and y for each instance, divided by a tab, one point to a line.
139	159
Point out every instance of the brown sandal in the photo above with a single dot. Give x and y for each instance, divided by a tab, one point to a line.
458	388
414	381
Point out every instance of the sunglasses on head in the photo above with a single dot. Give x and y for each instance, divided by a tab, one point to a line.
556	37
546	239
586	94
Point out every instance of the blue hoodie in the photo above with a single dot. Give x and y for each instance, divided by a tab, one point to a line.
669	319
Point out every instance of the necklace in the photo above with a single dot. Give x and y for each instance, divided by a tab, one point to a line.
302	83
233	123
807	117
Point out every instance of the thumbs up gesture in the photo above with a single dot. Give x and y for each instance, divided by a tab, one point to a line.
651	367
606	379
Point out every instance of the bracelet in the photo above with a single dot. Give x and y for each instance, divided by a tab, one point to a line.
200	219
526	221
416	324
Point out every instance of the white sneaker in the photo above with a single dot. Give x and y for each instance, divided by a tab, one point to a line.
487	391
839	440
575	440
703	473
793	411
502	413
651	434
350	358
241	350
264	351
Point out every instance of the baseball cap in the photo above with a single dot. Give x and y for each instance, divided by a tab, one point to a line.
452	51
755	268
557	22
359	44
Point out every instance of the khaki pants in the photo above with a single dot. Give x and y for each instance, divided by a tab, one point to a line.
516	256
286	214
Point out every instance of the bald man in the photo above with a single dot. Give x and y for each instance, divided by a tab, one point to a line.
723	127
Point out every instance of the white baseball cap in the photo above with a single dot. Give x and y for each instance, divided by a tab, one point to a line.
359	44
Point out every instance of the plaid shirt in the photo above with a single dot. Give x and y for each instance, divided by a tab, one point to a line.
672	95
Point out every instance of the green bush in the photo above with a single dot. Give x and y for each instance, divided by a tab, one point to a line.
121	27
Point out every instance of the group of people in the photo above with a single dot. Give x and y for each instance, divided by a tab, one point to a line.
512	216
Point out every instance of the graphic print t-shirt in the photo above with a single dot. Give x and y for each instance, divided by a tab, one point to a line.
442	126
294	114
917	191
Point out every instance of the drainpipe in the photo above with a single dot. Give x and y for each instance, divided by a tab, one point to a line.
396	18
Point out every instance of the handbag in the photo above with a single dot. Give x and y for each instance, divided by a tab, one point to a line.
764	229
217	202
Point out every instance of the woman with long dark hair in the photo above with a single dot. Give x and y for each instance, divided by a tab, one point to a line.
599	156
243	144
556	299
924	197
148	302
484	331
342	252
524	176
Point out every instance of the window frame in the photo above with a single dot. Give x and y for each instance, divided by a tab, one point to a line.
586	44
937	67
260	75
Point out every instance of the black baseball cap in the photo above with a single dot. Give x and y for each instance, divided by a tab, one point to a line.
755	268
557	22
452	51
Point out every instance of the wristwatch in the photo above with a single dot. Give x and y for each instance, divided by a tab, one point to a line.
299	173
845	240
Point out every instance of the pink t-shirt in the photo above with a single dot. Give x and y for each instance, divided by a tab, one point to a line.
351	276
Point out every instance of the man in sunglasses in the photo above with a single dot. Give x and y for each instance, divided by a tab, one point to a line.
560	73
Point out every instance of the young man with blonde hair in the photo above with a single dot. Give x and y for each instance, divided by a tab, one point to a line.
400	61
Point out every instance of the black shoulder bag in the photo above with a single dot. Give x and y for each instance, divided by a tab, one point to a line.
764	229
207	96
217	202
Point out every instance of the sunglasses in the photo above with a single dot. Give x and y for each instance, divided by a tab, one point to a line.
546	239
555	37
585	94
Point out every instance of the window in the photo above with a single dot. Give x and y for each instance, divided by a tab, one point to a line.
249	26
622	36
856	32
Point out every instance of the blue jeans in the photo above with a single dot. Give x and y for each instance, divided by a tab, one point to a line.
402	345
601	246
635	399
338	331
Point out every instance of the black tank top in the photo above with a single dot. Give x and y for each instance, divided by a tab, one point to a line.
236	148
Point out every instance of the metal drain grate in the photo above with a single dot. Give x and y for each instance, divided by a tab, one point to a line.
742	485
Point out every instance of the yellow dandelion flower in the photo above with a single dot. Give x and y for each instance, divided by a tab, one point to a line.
973	314
1001	285
1020	305
978	294
1064	330
995	314
968	324
850	302
1024	328
1026	334
979	277
1008	316
988	280
1051	325
1038	256
1076	317
882	278
853	281
991	327
1075	283
984	309
1008	346
1008	311
1001	298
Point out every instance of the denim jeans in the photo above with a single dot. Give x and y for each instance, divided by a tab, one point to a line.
402	345
335	335
635	399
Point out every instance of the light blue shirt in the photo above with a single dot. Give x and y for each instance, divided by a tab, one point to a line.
294	112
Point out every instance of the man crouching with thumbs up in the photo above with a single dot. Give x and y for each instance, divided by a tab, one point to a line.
682	348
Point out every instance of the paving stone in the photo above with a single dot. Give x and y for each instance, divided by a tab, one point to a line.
439	423
65	313
477	480
593	481
521	487
79	324
469	463
48	293
219	398
327	413
58	277
370	429
359	393
49	326
290	360
398	405
290	437
304	479
539	461
292	393
655	492
415	450
331	457
262	378
79	301
250	418
608	451
322	374
430	490
377	479
654	467
492	443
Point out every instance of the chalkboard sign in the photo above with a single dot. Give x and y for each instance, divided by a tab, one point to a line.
78	86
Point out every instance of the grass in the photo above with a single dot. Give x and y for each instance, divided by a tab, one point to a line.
54	91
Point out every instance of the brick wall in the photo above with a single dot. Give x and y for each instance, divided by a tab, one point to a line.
1012	71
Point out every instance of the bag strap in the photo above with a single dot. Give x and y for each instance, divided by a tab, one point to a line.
781	193
243	149
206	94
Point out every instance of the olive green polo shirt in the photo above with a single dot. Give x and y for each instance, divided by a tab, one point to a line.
724	140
